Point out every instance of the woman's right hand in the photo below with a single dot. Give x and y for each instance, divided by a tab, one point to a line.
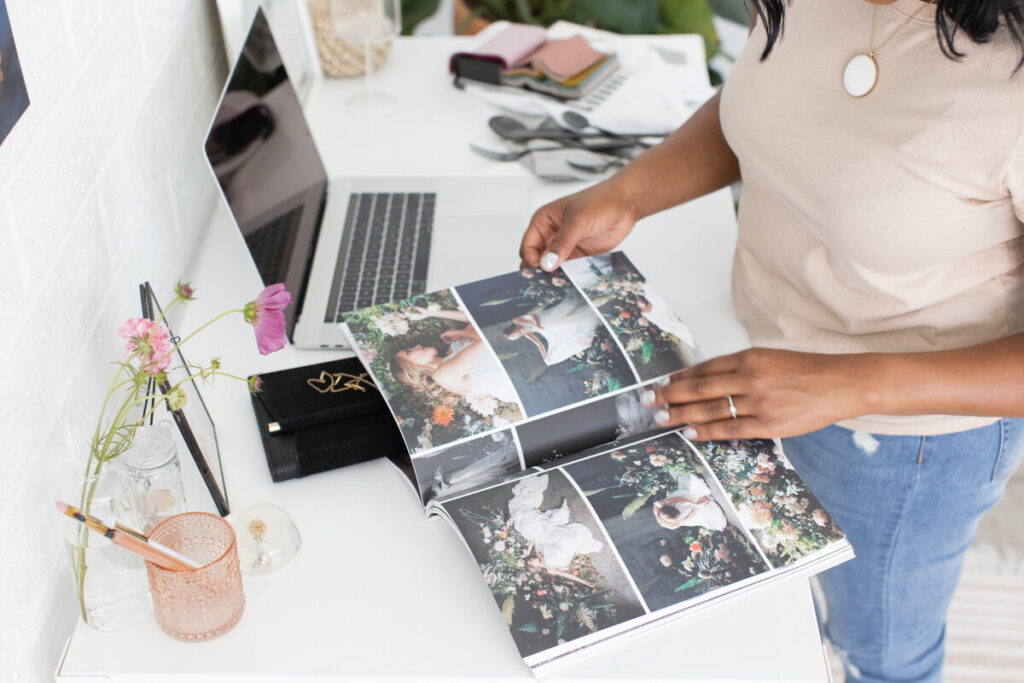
588	222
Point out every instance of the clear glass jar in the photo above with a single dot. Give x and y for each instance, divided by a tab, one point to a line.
154	475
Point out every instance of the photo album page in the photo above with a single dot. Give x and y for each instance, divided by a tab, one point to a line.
518	398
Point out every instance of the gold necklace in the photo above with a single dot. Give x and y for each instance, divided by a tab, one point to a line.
861	73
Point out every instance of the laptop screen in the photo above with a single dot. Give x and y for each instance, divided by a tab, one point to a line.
264	157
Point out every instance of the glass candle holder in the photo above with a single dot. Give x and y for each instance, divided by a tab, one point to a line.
204	603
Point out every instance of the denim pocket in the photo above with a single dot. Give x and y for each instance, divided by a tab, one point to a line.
1010	450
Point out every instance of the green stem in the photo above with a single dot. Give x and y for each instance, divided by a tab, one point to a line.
200	329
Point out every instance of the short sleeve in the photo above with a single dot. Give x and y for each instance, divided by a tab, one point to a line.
1014	177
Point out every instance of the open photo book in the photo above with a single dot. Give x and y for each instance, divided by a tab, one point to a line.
519	399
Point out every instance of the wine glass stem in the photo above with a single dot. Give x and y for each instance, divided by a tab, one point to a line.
366	65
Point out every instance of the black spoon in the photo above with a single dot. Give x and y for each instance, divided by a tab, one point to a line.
511	129
579	122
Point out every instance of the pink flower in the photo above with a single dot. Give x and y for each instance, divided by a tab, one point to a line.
266	314
147	342
185	291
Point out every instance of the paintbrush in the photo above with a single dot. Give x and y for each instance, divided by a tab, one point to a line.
132	540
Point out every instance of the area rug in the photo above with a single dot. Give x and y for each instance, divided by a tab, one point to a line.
985	629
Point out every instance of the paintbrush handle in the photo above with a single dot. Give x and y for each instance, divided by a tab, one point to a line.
128	541
147	552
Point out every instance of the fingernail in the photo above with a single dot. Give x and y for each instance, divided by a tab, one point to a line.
689	433
549	261
661	416
663	382
647	397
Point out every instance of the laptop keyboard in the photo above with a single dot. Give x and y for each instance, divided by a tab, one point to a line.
268	244
384	251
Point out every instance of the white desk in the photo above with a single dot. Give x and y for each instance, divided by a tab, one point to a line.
378	592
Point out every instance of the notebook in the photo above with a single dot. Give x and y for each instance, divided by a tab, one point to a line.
341	244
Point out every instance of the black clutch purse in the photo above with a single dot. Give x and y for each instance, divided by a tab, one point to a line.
323	416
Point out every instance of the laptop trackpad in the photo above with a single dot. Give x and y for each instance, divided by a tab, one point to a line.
469	248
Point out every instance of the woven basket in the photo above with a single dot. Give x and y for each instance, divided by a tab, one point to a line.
340	58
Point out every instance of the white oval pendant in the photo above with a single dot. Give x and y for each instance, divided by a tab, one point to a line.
860	75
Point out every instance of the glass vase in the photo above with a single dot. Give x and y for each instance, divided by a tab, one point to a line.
110	582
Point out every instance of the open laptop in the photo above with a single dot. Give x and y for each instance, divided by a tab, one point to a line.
343	243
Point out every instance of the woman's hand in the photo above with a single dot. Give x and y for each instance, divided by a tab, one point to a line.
775	393
588	222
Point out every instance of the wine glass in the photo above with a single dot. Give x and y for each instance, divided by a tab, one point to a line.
374	24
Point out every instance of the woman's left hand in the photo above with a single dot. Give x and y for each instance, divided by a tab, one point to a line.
775	394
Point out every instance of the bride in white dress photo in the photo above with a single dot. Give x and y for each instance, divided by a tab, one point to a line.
556	540
689	505
467	370
559	332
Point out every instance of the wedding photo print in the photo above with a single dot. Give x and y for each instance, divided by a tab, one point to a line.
785	518
656	340
659	505
551	342
583	427
439	378
549	566
467	465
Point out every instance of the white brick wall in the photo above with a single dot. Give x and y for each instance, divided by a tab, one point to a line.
102	185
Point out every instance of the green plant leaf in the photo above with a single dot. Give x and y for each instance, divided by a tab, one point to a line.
415	11
689	16
635	16
689	584
648	351
508	608
637	503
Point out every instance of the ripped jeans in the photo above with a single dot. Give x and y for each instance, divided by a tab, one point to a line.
910	507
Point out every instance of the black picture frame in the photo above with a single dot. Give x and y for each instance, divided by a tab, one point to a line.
193	420
14	98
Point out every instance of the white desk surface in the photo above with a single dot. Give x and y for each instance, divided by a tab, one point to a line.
378	592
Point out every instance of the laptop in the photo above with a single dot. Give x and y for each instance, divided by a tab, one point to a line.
344	243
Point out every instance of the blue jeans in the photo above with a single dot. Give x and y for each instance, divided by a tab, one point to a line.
910	507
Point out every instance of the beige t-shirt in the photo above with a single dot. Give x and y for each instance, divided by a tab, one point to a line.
886	223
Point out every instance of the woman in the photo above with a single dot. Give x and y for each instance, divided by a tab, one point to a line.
466	371
878	272
557	540
559	332
689	505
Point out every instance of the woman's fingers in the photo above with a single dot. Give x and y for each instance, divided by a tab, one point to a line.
712	379
672	415
725	430
759	393
534	243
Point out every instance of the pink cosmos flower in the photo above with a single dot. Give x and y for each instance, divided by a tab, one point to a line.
185	291
149	343
266	314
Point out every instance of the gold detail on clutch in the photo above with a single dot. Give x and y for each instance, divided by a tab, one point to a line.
328	383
